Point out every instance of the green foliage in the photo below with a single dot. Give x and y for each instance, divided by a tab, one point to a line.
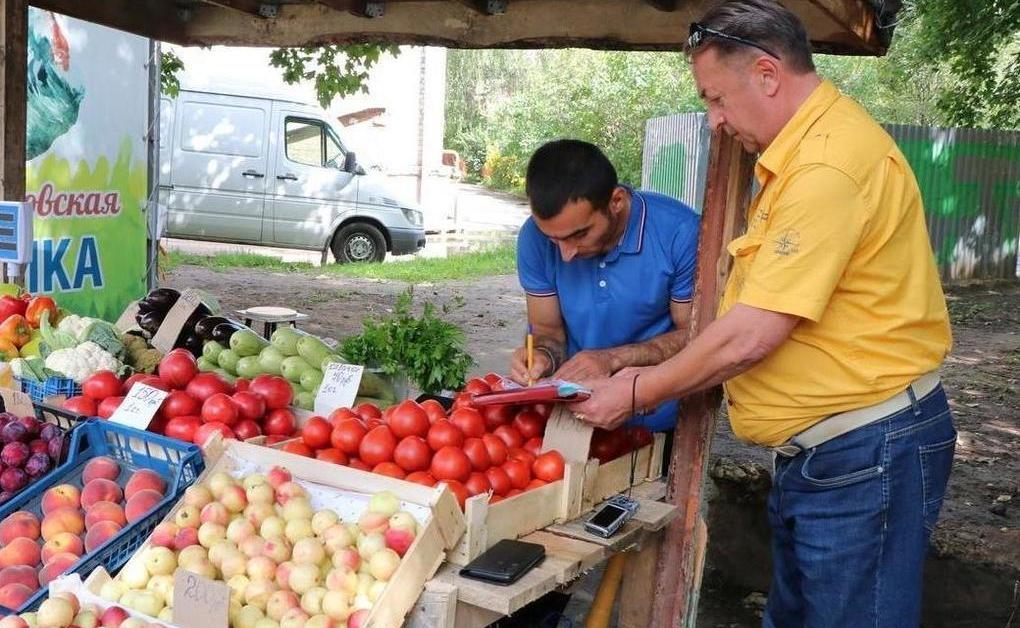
335	70
169	67
427	349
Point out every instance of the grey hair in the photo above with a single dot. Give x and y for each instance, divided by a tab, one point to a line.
764	22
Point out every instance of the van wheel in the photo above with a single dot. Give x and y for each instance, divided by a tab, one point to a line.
359	242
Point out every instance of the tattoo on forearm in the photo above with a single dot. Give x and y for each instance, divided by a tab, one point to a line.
651	352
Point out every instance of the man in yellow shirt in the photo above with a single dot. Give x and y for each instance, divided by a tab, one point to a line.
830	333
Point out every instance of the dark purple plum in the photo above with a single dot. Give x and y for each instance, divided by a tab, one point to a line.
5	496
31	424
14	432
56	449
15	454
38	446
49	431
38	465
13	480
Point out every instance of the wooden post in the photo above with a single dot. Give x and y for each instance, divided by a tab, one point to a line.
678	573
13	63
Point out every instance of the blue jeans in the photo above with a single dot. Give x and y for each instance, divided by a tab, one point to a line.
851	520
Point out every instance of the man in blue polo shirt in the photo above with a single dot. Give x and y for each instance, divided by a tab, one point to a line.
608	271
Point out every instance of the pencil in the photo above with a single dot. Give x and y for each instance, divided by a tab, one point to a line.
530	343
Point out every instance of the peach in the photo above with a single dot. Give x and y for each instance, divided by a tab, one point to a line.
188	517
164	534
186	537
144	479
197	496
100	490
19	524
104	511
100	534
20	551
234	498
61	543
101	467
289	490
215	512
141	503
278	476
62	520
21	574
56	566
62	496
14	595
279	603
13	621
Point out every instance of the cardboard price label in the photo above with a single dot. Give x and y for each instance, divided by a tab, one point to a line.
199	601
139	406
127	319
339	387
175	319
17	402
567	434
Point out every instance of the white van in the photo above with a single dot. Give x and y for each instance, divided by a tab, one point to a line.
270	172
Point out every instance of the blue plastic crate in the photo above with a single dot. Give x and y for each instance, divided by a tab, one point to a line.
179	463
39	391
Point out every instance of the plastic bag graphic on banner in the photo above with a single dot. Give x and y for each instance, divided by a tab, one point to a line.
86	171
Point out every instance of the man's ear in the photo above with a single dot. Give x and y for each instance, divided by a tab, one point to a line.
618	200
768	75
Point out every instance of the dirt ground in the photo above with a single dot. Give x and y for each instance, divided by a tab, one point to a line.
981	517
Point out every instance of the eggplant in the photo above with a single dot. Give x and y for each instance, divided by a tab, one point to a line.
222	332
205	326
151	321
144	306
200	313
191	342
162	299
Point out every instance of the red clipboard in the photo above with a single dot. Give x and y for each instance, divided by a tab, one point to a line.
541	393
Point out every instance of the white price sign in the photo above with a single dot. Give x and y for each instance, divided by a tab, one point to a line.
200	601
139	406
339	387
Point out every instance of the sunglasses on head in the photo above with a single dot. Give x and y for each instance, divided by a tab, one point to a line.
700	32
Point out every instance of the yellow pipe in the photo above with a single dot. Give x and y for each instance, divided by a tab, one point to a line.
601	612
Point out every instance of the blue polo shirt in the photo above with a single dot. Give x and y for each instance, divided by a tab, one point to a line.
622	297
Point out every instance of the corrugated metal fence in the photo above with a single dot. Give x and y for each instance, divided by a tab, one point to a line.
970	181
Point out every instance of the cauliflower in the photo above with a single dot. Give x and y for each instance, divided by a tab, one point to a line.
73	324
81	361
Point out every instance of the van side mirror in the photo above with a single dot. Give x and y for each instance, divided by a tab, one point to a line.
351	162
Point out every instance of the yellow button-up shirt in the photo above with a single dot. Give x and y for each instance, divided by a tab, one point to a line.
836	235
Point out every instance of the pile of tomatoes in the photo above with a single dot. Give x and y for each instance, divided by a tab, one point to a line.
472	449
199	403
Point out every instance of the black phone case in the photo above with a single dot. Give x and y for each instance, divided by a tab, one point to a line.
505	562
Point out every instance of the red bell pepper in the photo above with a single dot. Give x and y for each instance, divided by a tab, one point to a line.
11	305
35	310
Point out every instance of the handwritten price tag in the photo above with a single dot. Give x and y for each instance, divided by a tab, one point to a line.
17	402
178	315
127	319
339	387
139	406
200	601
567	434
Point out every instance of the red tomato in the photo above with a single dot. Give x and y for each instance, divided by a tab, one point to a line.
371	424
492	378
499	480
315	433
180	403
153	381
421	477
391	469
496	447
463	400
548	466
605	446
495	499
247	429
220	407
367	411
535	484
82	405
108	406
477	453
514	492
542	409
523	455
101	385
509	435
129	382
469	421
412	454
356	463
450	463
273	439
477	484
518	472
299	448
206	385
206	430
497	415
529	424
250	407
280	422
477	386
347	434
434	410
639	437
241	384
177	368
459	491
331	454
338	416
377	446
533	446
183	427
444	433
274	389
408	419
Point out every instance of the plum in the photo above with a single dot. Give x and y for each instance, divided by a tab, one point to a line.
5	496
15	454
38	446
49	431
32	425
14	432
38	465
13	480
57	448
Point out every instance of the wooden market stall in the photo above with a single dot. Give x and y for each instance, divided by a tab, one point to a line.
859	27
